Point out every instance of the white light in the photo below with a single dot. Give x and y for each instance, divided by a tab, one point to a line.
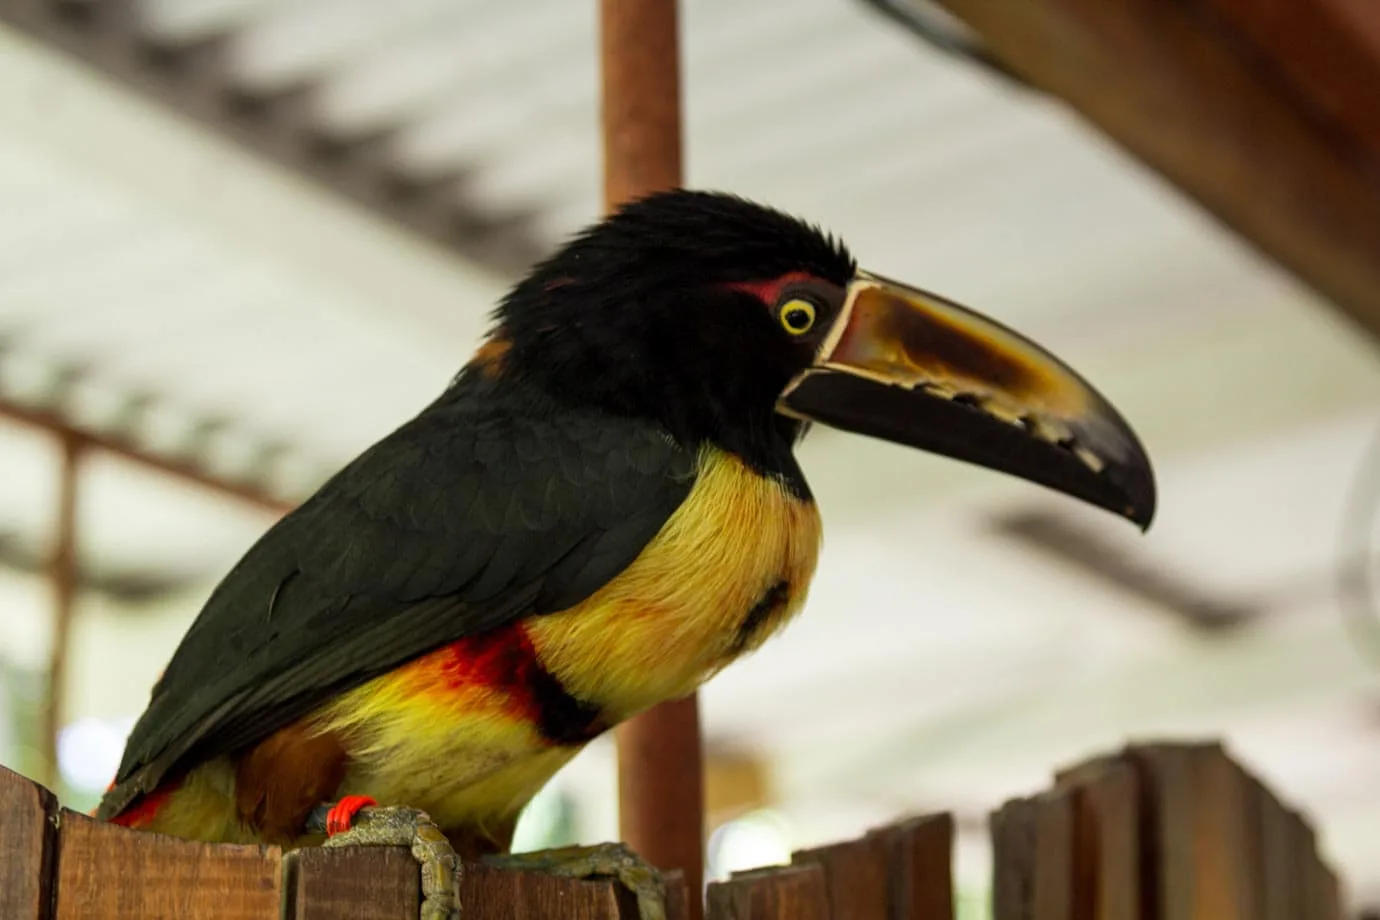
89	752
757	839
539	820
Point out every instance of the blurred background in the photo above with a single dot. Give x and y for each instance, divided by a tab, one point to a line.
272	231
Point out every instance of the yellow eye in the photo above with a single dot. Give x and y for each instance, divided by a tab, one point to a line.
797	315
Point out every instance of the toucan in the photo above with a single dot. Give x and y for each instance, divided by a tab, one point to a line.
601	510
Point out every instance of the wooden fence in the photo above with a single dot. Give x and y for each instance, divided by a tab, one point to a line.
1158	832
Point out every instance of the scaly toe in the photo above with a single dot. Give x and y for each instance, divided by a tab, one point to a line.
414	829
604	860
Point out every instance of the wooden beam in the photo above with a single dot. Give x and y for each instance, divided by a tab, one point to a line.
660	753
185	470
1226	100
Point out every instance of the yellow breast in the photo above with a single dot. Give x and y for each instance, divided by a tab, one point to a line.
729	568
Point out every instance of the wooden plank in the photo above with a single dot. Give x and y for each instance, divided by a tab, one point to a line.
1106	846
503	894
919	854
1053	882
1303	848
1254	830
1225	886
1282	894
677	896
105	872
855	878
1013	860
1319	892
1032	844
1215	118
1325	899
354	883
1204	848
27	830
787	893
1166	775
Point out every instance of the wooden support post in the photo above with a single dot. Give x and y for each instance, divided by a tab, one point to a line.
641	98
660	756
62	570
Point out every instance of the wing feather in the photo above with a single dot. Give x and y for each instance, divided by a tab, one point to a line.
483	508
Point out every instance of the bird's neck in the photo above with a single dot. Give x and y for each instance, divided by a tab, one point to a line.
714	414
767	446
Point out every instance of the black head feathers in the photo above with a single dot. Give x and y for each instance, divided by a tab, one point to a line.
686	237
644	314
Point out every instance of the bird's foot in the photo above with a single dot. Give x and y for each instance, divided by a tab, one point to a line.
358	821
604	860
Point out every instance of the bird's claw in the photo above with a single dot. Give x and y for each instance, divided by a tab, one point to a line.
604	860
414	829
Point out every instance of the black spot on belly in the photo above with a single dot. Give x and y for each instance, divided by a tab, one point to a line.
563	718
767	606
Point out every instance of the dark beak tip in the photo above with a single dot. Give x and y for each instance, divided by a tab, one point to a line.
1136	484
1142	516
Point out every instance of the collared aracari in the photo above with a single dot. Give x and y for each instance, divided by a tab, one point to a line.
600	511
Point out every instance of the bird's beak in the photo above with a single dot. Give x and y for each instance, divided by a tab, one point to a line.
913	368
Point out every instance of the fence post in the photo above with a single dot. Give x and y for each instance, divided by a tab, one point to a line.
353	883
903	871
1106	840
1158	832
105	872
787	893
28	825
919	859
855	877
502	894
1032	852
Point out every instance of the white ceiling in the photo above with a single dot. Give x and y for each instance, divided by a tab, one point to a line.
939	664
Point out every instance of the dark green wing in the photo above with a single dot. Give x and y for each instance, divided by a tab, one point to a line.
490	505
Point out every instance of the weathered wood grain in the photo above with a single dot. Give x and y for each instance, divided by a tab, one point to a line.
919	859
785	893
1106	840
501	894
354	883
855	877
27	830
105	872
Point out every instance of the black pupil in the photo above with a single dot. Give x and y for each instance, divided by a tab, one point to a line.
797	317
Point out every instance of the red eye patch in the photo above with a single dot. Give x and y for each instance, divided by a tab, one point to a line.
769	290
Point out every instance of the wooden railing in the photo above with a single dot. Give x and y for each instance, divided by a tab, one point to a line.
1156	832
